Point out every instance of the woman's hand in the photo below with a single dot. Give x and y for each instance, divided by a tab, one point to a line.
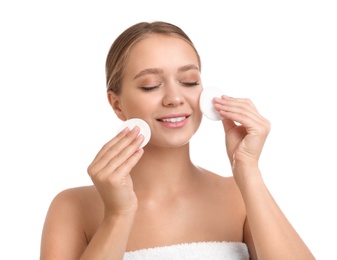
246	130
110	171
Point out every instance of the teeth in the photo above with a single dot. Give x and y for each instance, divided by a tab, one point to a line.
174	120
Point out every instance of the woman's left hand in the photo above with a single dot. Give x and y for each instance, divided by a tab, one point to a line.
246	130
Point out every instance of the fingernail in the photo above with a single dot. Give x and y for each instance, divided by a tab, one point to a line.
125	130
135	128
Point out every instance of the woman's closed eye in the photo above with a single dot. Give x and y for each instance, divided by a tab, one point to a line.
149	88
185	83
190	84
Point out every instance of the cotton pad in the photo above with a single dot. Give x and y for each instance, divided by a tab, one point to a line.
206	102
144	128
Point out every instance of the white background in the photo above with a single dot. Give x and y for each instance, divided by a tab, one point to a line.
55	115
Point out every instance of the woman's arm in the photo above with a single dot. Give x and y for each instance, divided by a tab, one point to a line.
267	231
64	234
272	234
110	240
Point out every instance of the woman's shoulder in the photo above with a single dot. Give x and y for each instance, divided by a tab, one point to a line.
224	200
76	193
224	187
77	206
79	198
73	215
219	180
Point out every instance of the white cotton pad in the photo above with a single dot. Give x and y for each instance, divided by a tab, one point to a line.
144	128
206	102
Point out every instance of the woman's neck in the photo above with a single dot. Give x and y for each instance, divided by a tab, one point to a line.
163	170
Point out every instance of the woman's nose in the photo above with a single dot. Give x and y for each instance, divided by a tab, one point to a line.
173	97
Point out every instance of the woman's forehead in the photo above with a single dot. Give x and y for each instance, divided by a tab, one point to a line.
160	51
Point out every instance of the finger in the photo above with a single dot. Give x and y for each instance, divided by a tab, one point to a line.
237	109
127	156
248	118
242	119
111	143
246	101
238	103
115	149
127	165
228	124
252	124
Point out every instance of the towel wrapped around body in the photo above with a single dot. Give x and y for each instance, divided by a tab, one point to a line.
193	251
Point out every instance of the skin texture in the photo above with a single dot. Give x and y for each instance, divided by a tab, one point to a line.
156	196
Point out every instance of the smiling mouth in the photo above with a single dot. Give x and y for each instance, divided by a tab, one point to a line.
173	119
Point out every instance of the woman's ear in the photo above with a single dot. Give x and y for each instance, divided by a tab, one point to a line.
115	104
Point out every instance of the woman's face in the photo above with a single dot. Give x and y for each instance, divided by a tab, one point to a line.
162	86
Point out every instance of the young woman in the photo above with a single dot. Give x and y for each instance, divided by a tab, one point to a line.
153	202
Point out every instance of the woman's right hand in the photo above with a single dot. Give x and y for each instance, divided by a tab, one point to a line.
110	171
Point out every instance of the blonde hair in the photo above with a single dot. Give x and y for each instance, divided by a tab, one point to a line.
120	48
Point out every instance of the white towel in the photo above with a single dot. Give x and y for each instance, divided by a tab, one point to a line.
193	251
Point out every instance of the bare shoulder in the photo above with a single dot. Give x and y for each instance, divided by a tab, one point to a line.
222	205
225	183
224	188
74	206
76	194
76	198
71	217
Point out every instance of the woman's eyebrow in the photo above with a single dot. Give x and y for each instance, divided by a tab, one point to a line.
154	71
188	67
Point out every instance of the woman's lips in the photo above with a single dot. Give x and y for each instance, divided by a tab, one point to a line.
174	121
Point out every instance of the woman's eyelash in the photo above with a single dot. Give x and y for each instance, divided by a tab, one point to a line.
190	84
149	88
187	84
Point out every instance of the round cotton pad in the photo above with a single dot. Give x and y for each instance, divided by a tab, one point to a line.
144	128
206	103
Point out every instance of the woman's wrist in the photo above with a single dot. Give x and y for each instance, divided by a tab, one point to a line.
246	173
111	216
